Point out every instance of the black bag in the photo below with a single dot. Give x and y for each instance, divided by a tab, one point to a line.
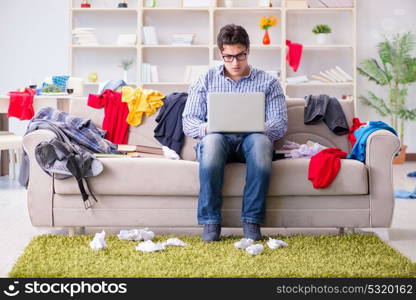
63	160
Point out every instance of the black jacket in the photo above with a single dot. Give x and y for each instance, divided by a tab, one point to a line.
169	131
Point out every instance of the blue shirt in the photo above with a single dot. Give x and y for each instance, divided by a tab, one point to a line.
361	134
194	117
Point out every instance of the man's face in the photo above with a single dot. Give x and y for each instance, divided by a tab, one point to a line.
235	59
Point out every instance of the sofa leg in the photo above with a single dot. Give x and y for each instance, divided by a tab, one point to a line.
341	230
71	231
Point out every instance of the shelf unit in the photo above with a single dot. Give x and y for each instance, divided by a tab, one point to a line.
294	24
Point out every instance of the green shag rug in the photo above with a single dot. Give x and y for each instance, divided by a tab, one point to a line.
349	255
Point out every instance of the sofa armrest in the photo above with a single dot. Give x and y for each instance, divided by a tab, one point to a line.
40	187
382	145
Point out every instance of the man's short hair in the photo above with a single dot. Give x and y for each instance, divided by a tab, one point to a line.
232	34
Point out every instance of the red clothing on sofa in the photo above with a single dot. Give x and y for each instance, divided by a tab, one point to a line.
294	54
356	123
324	167
21	104
115	115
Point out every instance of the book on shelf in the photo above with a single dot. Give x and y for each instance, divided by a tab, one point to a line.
126	39
113	155
345	74
297	79
139	148
337	76
320	78
149	73
183	38
154	74
150	36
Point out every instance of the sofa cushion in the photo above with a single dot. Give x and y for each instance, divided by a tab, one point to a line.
159	176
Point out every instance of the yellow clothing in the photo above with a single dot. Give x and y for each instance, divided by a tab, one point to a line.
140	101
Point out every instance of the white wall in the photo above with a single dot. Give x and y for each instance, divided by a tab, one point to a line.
34	44
377	18
34	38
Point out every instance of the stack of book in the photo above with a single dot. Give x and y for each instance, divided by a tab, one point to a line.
149	73
141	151
150	36
333	75
183	38
84	36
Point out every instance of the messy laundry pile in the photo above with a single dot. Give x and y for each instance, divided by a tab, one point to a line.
325	163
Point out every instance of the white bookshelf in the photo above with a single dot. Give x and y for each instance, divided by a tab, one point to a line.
169	18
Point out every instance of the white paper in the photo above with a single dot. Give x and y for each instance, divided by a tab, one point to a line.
136	235
255	249
98	242
175	242
169	153
149	246
243	243
273	243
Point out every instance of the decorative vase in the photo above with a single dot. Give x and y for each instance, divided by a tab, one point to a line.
266	38
125	76
85	4
322	38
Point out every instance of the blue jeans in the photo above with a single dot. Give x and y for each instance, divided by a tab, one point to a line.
213	152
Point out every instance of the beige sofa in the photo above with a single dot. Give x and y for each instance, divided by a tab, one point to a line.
157	192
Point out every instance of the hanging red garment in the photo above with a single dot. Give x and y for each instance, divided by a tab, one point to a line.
294	54
115	115
324	167
21	104
356	123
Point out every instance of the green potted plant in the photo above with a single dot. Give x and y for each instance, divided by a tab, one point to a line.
394	69
321	32
126	65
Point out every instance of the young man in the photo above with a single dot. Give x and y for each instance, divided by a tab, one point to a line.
214	150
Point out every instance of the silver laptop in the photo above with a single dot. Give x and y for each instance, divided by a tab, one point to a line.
236	112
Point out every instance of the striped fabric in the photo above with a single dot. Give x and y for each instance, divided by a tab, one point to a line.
194	117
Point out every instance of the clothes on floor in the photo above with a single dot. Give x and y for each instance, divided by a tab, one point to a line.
356	123
141	101
405	194
169	130
328	109
115	115
324	167
21	104
362	133
411	174
294	54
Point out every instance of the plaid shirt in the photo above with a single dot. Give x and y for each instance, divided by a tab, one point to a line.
194	117
80	131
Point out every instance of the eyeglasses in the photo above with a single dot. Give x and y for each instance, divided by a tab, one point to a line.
240	57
